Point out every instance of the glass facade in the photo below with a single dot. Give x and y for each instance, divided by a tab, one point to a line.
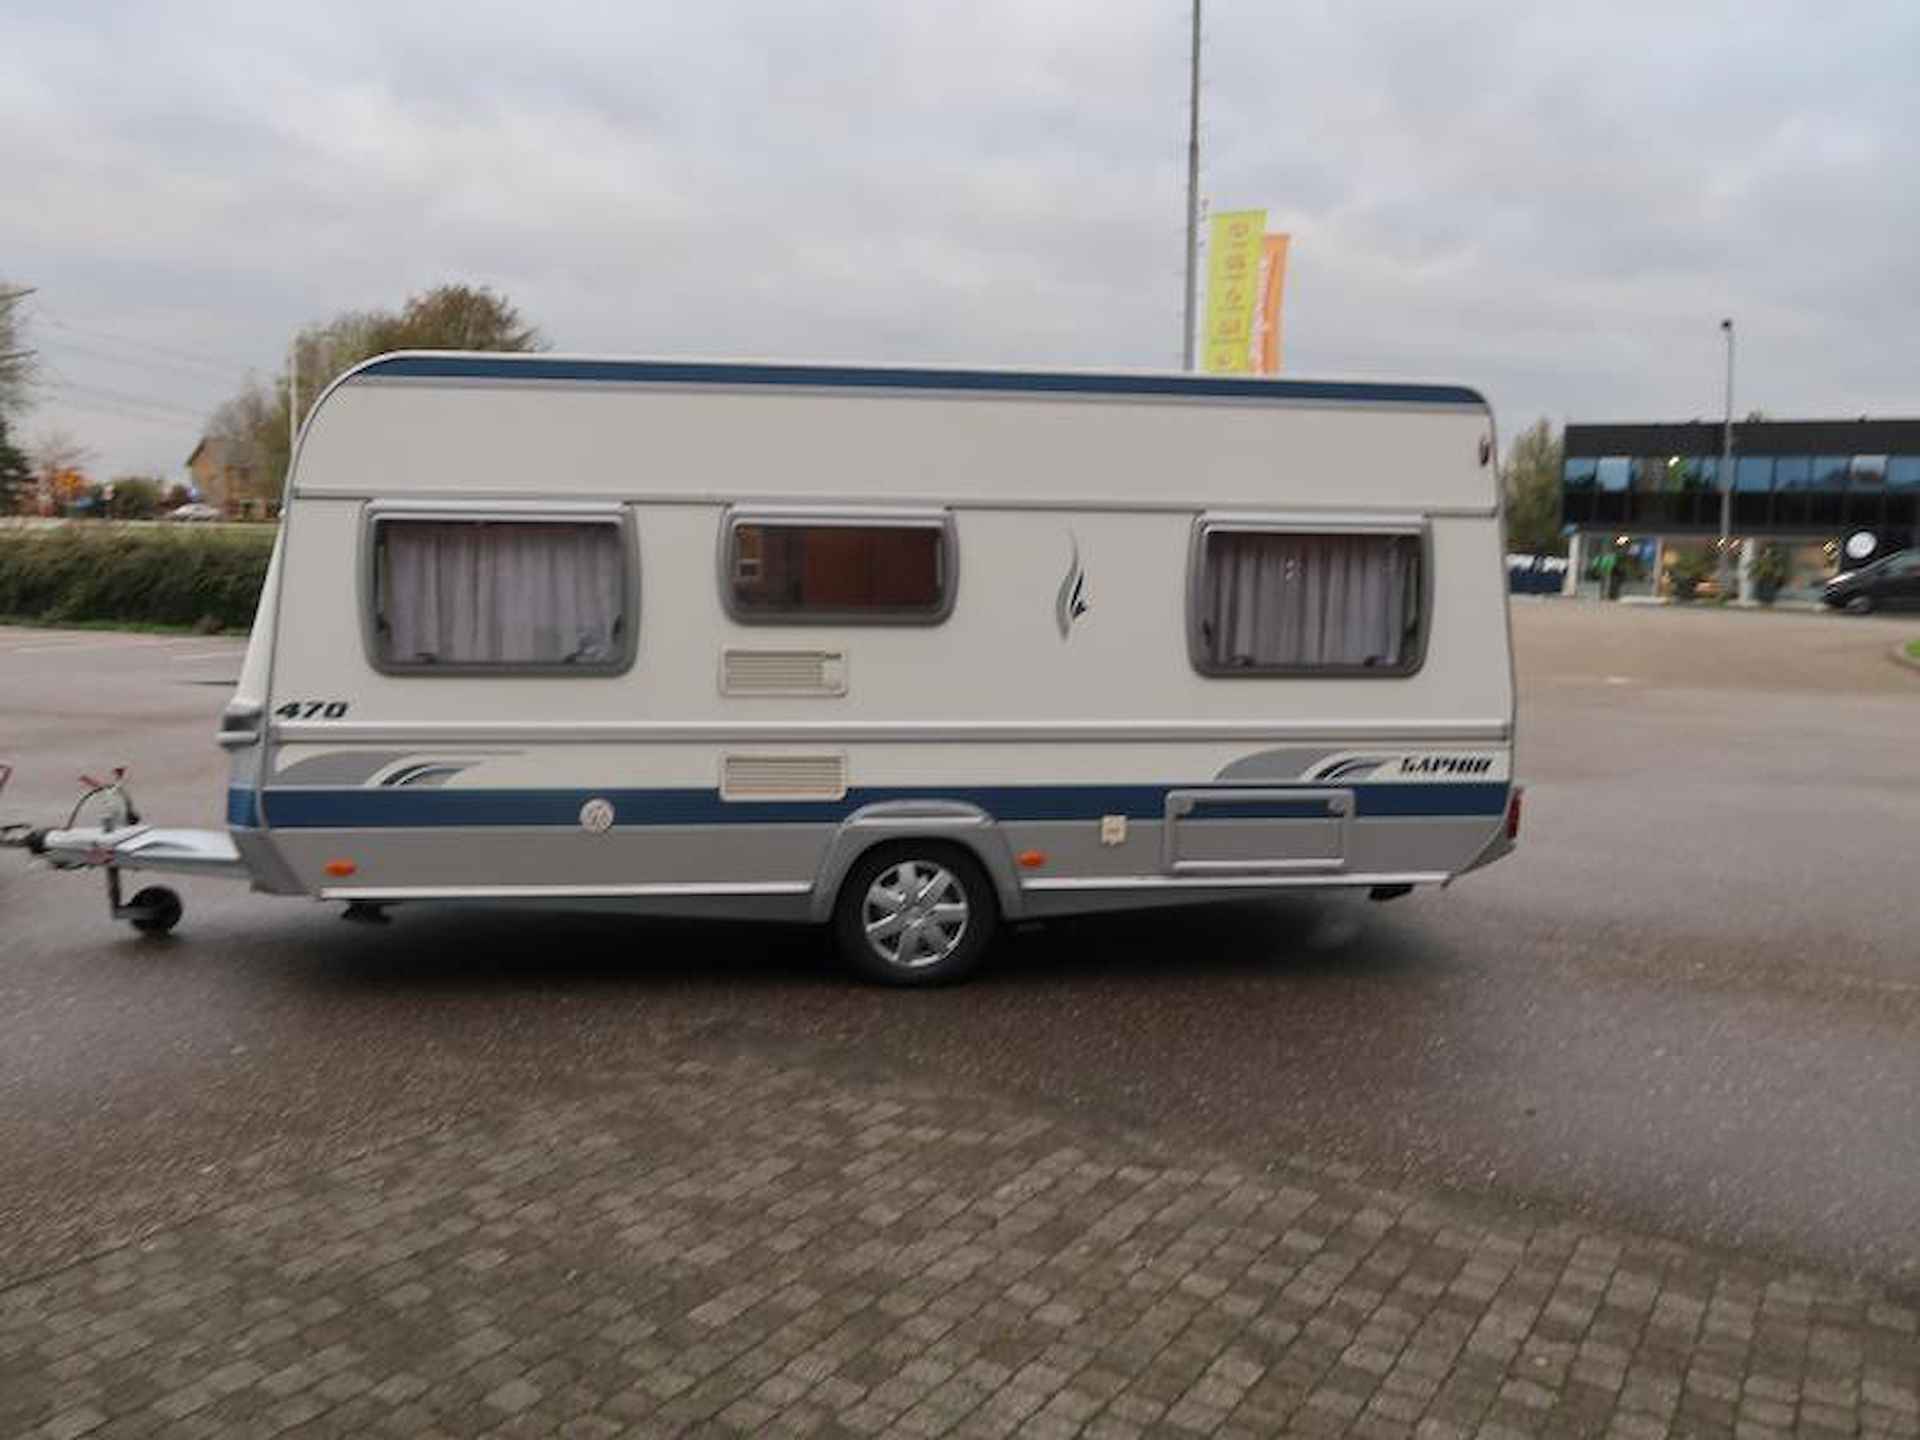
1807	485
1770	492
1830	472
1753	474
1869	472
1793	472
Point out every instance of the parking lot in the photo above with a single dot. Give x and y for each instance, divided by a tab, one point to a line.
1619	1133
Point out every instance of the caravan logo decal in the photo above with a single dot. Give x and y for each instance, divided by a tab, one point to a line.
1446	764
1348	768
1071	603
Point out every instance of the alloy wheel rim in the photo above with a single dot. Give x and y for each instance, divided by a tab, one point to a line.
915	914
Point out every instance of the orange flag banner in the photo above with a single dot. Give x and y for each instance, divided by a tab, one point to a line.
1273	284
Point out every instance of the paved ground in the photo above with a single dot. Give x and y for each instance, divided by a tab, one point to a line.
1618	1134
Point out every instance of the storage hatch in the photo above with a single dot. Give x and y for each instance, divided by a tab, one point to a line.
1228	831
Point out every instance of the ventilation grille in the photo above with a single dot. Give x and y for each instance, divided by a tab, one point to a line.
783	777
783	672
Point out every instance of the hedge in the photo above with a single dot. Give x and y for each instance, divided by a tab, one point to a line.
135	574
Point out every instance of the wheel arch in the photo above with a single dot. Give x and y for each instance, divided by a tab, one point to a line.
951	822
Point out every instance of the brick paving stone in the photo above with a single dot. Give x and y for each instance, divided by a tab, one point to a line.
731	1244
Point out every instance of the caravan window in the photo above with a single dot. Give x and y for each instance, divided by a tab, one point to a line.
1308	602
849	570
524	594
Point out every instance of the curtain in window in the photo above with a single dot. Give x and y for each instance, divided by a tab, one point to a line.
1307	600
500	593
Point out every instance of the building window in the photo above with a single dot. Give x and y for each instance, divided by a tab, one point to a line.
1869	472
1578	473
1830	472
1753	474
1903	472
1793	472
452	596
853	570
1615	472
1293	602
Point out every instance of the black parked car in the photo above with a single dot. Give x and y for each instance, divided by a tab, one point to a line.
1889	584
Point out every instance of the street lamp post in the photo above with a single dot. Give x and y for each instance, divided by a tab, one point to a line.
1726	467
1193	190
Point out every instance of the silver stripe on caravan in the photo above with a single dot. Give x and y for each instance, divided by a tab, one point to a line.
720	732
1232	882
560	892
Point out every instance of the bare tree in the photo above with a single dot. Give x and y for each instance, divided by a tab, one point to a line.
54	450
59	467
17	359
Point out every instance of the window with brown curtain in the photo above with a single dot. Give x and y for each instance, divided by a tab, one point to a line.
791	570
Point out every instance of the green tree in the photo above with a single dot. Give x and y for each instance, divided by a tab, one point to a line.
456	317
135	497
1531	482
16	473
253	423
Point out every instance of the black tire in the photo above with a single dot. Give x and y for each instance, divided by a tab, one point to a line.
160	910
937	950
1860	605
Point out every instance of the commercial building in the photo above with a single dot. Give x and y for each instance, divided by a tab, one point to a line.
1830	494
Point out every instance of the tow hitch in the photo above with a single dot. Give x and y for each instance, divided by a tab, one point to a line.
123	841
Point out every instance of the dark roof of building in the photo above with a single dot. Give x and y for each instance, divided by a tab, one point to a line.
1750	437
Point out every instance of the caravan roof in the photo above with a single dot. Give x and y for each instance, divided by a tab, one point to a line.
457	423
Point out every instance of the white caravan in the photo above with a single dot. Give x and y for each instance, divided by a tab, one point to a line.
908	651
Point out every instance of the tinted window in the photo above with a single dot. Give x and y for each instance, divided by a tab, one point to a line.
1579	473
838	570
1614	472
1753	473
1830	472
499	594
1792	472
1274	601
1869	472
1903	472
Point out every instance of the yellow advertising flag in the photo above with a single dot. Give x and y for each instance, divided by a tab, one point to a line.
1234	243
1273	284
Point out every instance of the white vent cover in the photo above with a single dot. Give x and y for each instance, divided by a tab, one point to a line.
783	777
783	672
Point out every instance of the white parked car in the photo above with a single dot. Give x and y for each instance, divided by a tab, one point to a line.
194	511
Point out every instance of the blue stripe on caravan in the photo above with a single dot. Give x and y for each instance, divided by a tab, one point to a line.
242	809
377	808
841	377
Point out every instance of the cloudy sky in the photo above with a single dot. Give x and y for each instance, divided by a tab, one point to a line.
1556	202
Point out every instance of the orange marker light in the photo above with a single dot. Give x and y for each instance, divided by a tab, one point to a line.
340	869
1032	859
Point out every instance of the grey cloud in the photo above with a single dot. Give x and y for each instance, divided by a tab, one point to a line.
1557	203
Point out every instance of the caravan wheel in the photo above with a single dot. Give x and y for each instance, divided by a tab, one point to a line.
915	914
